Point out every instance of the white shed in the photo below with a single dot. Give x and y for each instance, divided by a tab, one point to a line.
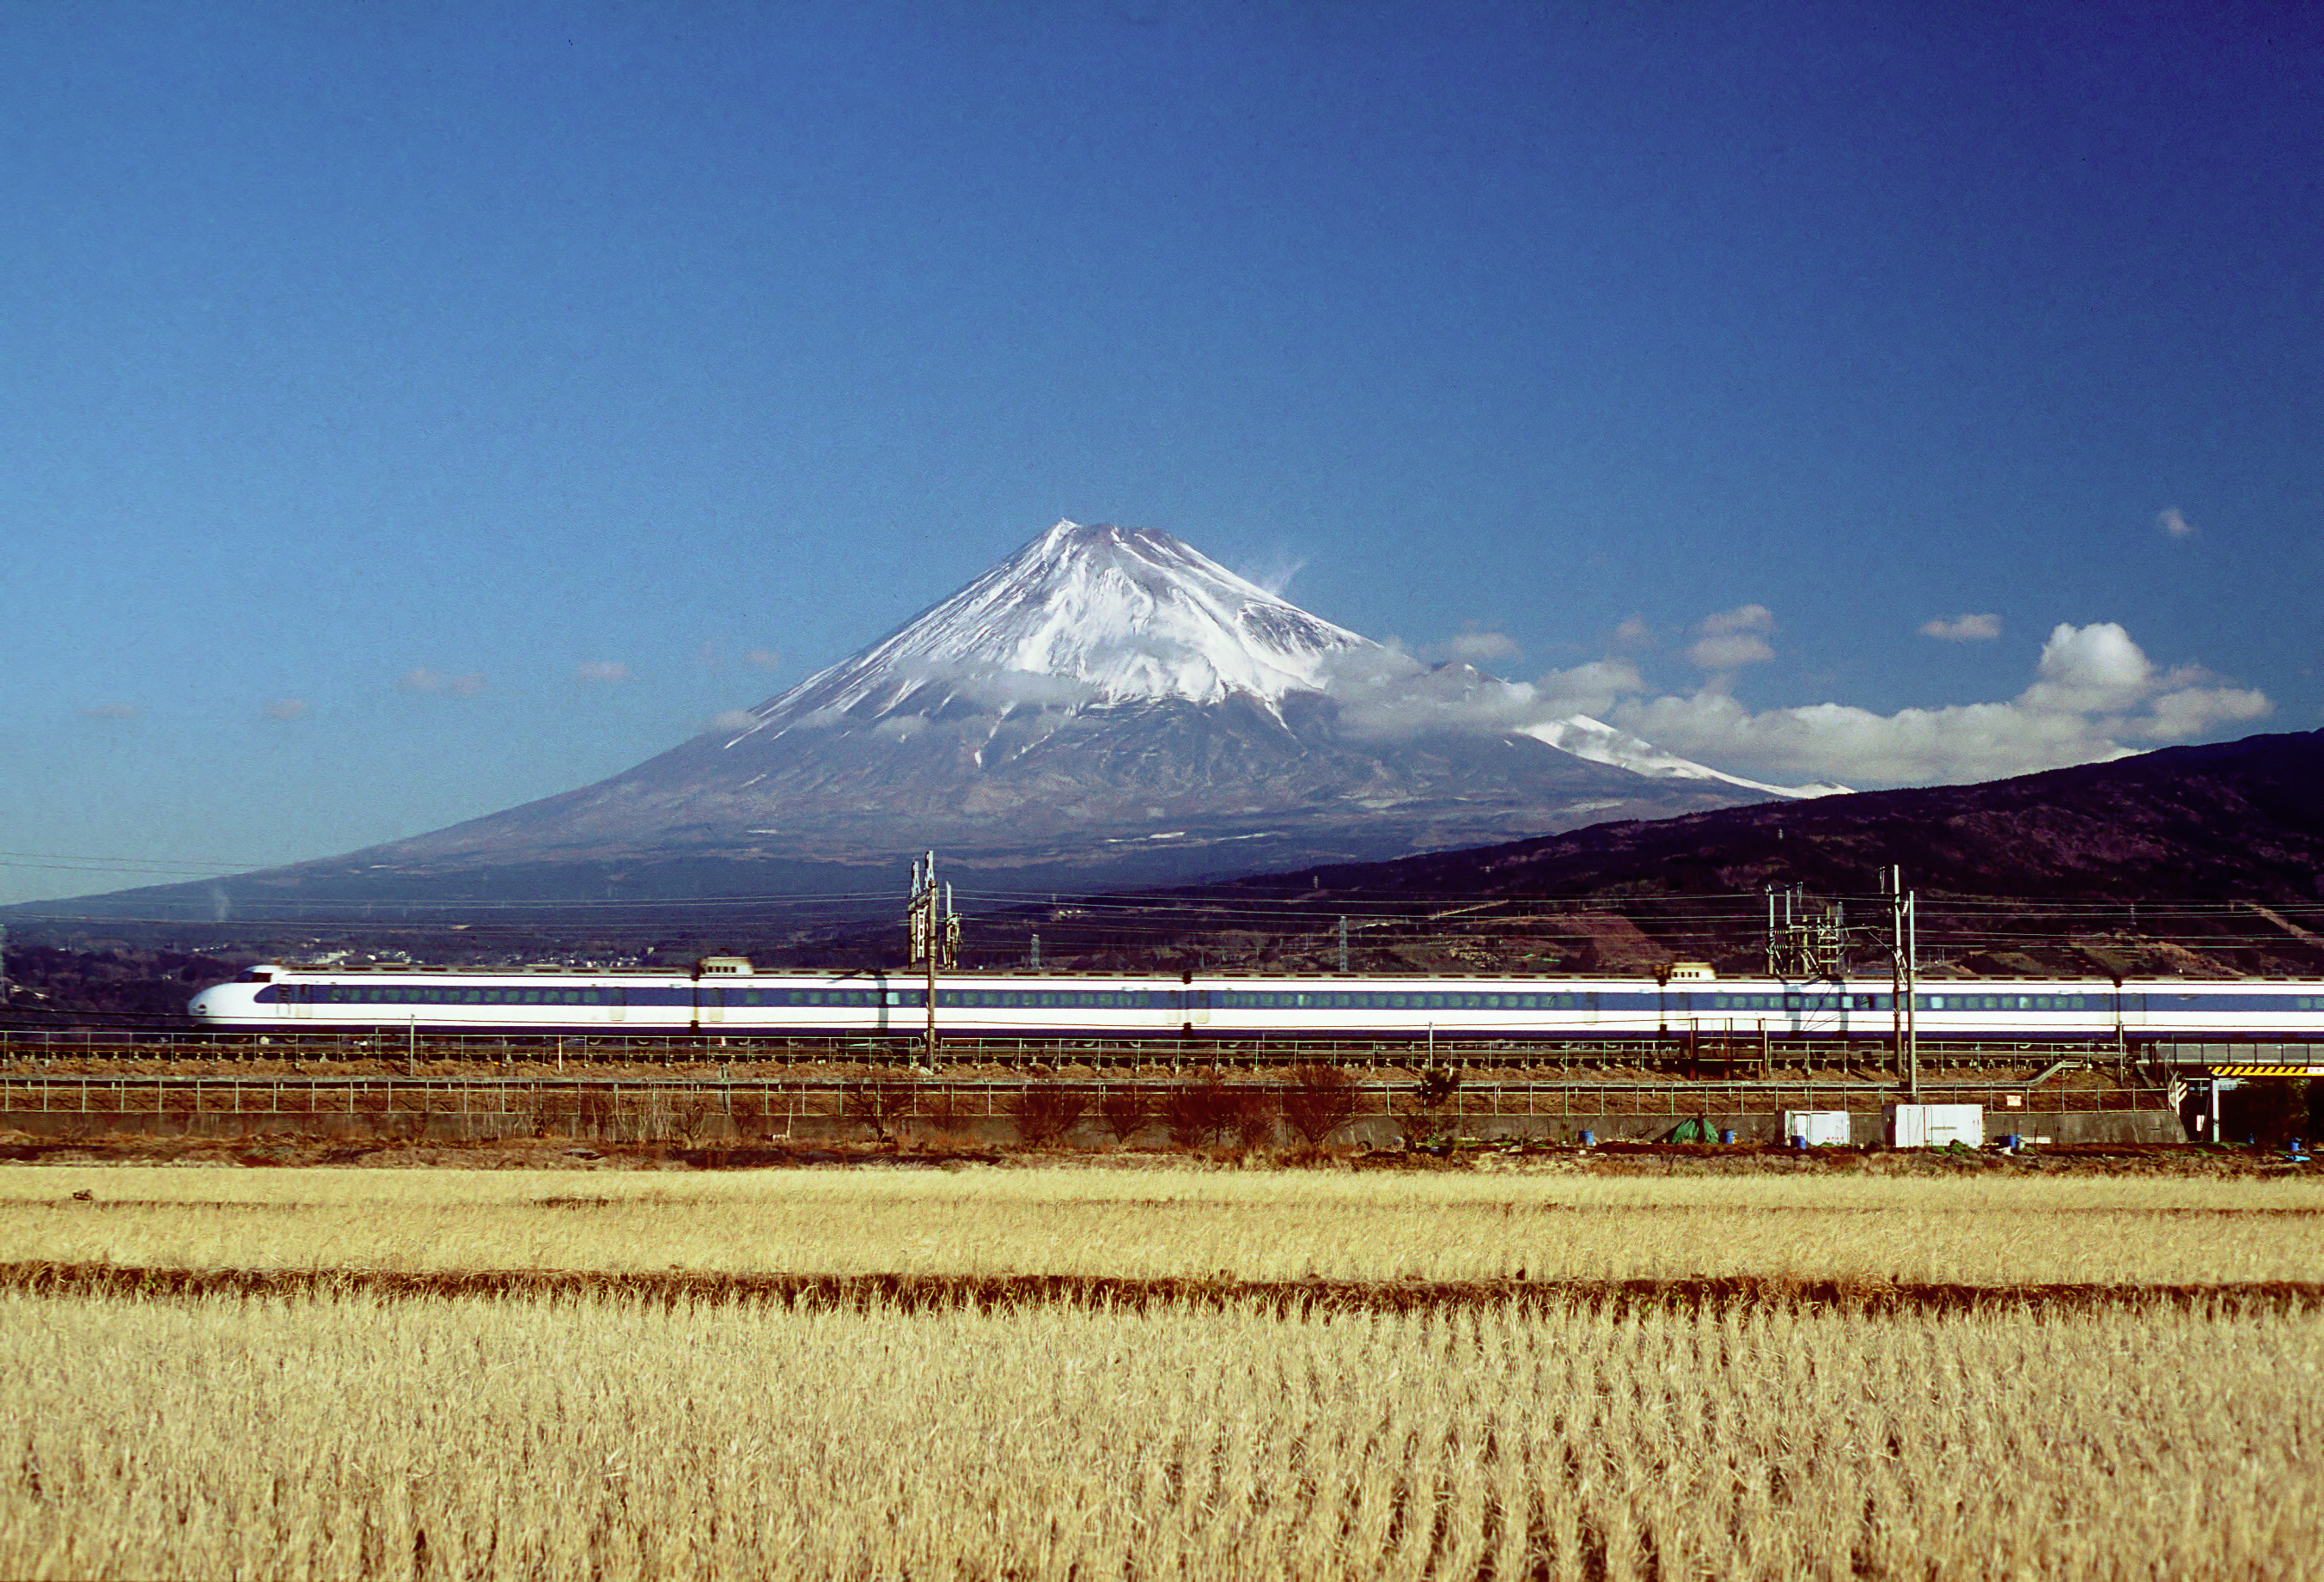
1821	1128
1935	1126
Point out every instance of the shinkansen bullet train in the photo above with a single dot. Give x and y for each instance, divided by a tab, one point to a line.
724	996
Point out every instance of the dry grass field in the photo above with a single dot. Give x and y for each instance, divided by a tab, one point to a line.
484	1438
344	1431
1167	1222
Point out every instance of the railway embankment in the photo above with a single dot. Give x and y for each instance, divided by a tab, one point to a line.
1248	1112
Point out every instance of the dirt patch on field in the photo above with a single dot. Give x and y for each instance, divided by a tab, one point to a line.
1302	1298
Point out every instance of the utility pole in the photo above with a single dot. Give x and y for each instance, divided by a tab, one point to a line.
1903	976
1343	944
1811	940
935	930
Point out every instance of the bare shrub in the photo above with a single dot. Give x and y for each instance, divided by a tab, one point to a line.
1254	1119
943	1114
754	1115
1318	1101
694	1114
878	1106
1125	1112
1045	1114
1197	1112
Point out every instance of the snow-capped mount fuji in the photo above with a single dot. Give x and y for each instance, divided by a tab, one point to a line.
1081	617
1107	707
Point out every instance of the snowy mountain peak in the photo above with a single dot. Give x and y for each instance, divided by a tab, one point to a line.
1094	618
1082	615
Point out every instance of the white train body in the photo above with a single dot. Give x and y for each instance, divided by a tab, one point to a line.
733	1000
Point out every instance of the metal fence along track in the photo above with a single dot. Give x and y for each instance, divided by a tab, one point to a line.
763	1100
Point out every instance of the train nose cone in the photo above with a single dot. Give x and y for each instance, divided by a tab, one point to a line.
203	1006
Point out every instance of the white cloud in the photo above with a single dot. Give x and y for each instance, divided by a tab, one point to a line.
1274	574
733	719
423	679
113	711
1592	689
604	670
1473	647
1634	632
2173	525
1963	628
286	709
1731	639
2095	696
765	659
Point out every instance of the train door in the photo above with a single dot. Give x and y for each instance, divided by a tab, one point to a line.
1194	1010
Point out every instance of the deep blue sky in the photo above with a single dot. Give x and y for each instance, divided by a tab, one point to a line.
382	367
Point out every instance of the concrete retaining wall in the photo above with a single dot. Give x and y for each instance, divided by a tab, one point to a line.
2060	1127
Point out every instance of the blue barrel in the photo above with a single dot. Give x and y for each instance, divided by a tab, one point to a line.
1589	1139
1799	1142
2013	1142
1726	1135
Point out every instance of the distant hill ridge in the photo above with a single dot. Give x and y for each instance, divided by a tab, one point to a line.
2230	820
